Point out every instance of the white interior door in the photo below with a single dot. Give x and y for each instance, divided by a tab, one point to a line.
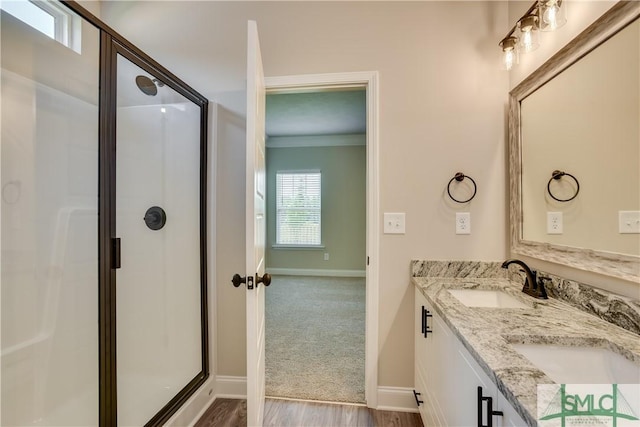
255	210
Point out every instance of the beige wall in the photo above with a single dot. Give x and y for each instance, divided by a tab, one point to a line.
580	14
442	110
343	219
92	6
230	323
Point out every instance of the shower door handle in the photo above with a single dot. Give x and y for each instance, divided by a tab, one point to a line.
116	253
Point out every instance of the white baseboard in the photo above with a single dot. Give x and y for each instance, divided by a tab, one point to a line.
399	399
194	408
216	387
231	387
315	272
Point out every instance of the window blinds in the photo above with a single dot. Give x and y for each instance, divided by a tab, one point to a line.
298	203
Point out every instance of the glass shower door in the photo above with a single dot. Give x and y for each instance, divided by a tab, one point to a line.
159	329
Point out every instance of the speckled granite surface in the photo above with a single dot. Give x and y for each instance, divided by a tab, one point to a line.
478	269
487	333
619	310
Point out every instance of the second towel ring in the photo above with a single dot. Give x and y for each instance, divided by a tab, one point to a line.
459	176
556	174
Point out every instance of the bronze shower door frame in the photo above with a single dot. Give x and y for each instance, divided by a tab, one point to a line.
111	45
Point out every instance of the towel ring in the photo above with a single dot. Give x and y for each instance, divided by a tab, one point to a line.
460	177
556	174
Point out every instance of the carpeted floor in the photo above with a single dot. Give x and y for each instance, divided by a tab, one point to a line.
315	338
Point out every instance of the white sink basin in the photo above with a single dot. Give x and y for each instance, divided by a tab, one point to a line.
486	298
581	365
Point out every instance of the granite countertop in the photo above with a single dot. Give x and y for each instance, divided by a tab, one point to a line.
488	332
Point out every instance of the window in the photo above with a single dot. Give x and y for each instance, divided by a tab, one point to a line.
49	17
298	208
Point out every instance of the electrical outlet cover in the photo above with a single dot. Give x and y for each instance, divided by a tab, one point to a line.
554	222
463	222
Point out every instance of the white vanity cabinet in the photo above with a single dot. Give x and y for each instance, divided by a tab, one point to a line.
448	377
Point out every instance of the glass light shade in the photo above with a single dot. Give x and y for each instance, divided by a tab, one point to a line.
510	55
552	14
529	39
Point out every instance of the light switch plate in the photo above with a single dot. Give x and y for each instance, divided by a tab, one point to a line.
629	222
463	222
394	223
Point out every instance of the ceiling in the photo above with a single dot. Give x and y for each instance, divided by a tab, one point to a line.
341	112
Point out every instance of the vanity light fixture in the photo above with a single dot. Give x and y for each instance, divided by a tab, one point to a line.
543	15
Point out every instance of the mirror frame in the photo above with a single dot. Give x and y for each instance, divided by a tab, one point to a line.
608	263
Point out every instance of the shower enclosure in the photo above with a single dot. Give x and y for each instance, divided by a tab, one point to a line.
103	244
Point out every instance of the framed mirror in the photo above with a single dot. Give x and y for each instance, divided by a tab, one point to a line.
574	151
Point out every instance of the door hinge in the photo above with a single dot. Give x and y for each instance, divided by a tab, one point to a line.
115	253
367	260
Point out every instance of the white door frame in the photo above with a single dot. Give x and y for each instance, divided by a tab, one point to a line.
368	80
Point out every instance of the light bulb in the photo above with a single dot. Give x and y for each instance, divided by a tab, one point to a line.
529	33
550	16
509	59
527	40
509	52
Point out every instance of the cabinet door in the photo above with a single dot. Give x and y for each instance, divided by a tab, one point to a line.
440	369
422	341
475	376
427	356
426	407
421	357
418	376
467	378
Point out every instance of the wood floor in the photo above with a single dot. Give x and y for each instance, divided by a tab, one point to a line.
290	413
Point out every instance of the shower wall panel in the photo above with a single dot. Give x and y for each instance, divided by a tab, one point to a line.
49	259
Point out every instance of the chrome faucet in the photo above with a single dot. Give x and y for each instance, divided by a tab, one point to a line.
531	285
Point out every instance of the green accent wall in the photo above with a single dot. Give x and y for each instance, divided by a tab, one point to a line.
343	207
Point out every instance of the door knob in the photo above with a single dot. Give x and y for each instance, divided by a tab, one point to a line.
266	279
237	280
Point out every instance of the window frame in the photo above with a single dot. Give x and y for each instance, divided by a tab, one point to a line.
67	26
277	243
